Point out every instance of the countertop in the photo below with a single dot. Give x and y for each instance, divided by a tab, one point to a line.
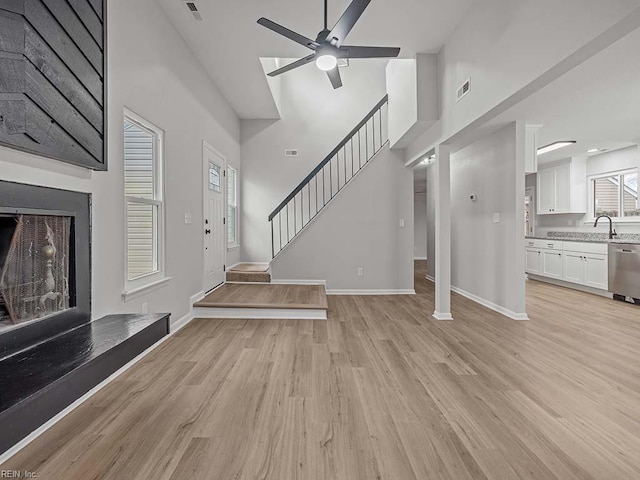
581	239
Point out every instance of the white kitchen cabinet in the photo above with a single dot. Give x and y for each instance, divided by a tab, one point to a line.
546	191
596	271
574	267
588	269
533	261
562	187
552	264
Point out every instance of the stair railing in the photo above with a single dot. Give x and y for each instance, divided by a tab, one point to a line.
329	177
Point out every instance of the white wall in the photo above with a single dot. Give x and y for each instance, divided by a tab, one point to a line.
616	160
360	228
420	217
487	258
153	73
315	118
501	47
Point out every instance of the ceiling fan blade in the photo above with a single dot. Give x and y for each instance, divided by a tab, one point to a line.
334	76
348	51
348	20
290	34
291	66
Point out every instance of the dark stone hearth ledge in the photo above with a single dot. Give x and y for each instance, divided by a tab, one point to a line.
39	382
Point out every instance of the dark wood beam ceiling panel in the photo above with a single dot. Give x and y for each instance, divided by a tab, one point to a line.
52	70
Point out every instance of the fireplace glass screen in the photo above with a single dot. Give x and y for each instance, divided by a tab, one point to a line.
35	253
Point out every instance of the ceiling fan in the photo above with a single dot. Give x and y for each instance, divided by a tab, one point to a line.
328	46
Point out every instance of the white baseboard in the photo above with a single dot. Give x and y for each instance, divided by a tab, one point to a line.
371	292
430	278
486	303
175	327
442	316
419	258
299	282
261	313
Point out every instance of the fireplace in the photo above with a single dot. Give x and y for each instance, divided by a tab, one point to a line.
44	263
35	278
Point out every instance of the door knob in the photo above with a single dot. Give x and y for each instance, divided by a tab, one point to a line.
207	231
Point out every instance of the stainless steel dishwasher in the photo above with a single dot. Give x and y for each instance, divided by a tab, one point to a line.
624	271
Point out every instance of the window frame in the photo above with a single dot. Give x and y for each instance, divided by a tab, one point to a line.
236	243
591	197
158	276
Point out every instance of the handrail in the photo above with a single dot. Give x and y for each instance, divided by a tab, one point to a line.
333	153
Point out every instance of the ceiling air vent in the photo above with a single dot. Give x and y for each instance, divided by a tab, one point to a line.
463	90
291	152
193	9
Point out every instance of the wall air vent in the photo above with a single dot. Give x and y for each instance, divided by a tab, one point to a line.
193	9
463	90
291	152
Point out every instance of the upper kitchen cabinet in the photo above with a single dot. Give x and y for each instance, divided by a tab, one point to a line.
562	187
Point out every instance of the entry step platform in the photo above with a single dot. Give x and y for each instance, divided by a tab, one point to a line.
263	301
249	273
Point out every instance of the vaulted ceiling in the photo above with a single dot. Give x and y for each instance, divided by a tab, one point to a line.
229	43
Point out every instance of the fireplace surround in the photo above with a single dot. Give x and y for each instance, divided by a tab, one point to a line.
69	290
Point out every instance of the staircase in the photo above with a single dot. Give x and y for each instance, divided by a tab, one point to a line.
329	178
249	293
249	273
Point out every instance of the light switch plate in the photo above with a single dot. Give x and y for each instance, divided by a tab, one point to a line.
402	223
496	218
188	219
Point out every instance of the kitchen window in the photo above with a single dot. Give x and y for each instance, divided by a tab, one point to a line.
144	200
232	207
616	195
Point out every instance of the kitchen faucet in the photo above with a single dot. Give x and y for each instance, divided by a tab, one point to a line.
612	232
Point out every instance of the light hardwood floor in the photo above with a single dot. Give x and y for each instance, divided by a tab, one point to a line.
379	391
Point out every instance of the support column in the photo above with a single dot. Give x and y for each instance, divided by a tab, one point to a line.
442	174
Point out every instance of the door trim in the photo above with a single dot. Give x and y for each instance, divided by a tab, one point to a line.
204	186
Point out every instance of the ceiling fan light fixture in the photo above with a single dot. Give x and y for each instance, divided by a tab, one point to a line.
326	62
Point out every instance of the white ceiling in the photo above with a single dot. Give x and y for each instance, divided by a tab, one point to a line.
597	104
229	42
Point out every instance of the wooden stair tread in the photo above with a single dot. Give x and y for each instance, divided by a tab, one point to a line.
266	296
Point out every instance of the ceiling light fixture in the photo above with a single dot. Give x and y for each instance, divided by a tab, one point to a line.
597	150
326	62
555	146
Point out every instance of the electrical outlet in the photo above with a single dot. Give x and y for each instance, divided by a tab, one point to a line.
145	307
188	219
496	218
360	272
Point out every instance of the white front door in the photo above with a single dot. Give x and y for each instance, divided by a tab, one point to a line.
214	223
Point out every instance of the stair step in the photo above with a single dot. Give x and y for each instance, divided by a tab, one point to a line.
250	273
248	277
262	301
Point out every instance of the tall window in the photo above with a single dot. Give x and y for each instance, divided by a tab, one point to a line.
143	189
616	195
232	207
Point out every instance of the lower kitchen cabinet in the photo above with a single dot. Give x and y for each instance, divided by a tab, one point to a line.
533	261
574	267
597	271
586	269
552	264
573	262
